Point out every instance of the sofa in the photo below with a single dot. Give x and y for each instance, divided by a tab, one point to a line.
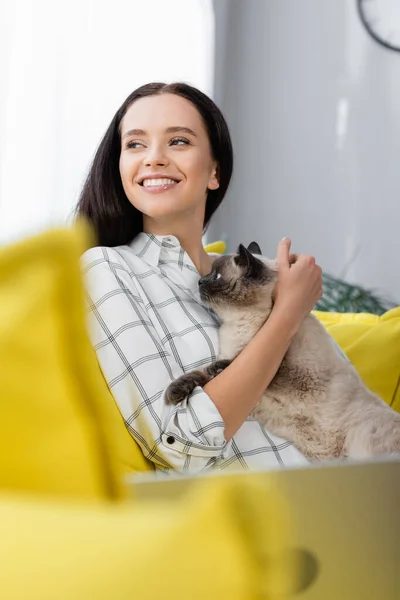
70	529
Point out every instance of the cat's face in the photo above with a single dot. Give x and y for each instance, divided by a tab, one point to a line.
240	281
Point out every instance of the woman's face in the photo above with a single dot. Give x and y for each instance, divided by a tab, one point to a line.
166	164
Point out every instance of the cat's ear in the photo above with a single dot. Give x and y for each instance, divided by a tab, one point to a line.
246	260
254	248
243	258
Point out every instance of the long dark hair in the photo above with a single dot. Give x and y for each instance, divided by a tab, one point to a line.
103	201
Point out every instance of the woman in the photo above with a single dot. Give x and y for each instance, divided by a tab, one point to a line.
159	174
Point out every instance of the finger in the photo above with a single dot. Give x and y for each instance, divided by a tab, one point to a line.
282	257
306	260
309	260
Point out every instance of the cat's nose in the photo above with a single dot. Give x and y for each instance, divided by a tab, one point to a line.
204	279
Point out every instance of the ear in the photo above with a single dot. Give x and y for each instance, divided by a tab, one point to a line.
244	257
213	183
254	248
249	262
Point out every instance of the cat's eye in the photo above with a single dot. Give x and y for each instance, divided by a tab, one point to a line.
218	276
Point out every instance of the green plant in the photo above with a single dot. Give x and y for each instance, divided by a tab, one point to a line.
340	296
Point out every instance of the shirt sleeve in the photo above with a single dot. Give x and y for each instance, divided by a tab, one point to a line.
138	368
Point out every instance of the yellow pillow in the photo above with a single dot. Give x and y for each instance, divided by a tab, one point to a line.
372	343
57	421
218	247
150	549
127	452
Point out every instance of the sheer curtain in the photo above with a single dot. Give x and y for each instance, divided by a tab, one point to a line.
65	68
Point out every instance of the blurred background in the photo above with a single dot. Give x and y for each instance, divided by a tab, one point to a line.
311	98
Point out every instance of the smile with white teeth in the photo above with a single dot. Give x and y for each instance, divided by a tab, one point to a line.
157	182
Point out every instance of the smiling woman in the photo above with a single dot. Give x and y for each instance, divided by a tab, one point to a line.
159	174
161	131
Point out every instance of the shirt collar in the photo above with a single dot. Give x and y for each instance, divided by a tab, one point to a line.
157	250
167	253
148	247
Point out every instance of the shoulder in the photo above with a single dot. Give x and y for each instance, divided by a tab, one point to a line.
101	255
105	266
106	273
109	268
118	259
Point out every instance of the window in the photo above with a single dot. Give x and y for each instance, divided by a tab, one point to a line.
65	68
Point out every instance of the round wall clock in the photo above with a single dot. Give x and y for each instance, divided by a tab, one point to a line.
381	18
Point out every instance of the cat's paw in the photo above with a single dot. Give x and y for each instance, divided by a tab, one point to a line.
217	367
180	389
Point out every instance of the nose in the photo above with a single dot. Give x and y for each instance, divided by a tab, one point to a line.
204	279
155	157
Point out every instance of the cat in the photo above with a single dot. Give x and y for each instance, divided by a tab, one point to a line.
316	400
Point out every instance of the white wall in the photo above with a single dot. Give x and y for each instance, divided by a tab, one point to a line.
313	104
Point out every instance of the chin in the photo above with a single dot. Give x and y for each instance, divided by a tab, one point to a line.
164	211
164	205
164	208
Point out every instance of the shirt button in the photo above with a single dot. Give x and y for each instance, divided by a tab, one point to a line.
170	439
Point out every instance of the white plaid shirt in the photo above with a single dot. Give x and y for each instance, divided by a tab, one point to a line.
148	326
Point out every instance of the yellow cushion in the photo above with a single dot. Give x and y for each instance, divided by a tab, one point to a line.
219	247
57	422
372	343
225	539
127	452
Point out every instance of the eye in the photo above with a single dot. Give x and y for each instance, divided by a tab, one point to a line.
179	142
132	144
218	276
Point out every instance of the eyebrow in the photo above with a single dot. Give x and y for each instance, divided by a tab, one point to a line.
176	129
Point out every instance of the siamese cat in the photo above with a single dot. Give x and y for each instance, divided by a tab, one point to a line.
316	399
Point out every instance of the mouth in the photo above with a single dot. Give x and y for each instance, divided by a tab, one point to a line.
205	296
158	184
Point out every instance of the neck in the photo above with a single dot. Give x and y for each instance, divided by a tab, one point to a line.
189	235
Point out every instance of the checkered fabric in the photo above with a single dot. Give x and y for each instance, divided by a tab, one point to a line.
148	326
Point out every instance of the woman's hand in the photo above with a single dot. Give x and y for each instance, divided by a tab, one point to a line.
299	284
